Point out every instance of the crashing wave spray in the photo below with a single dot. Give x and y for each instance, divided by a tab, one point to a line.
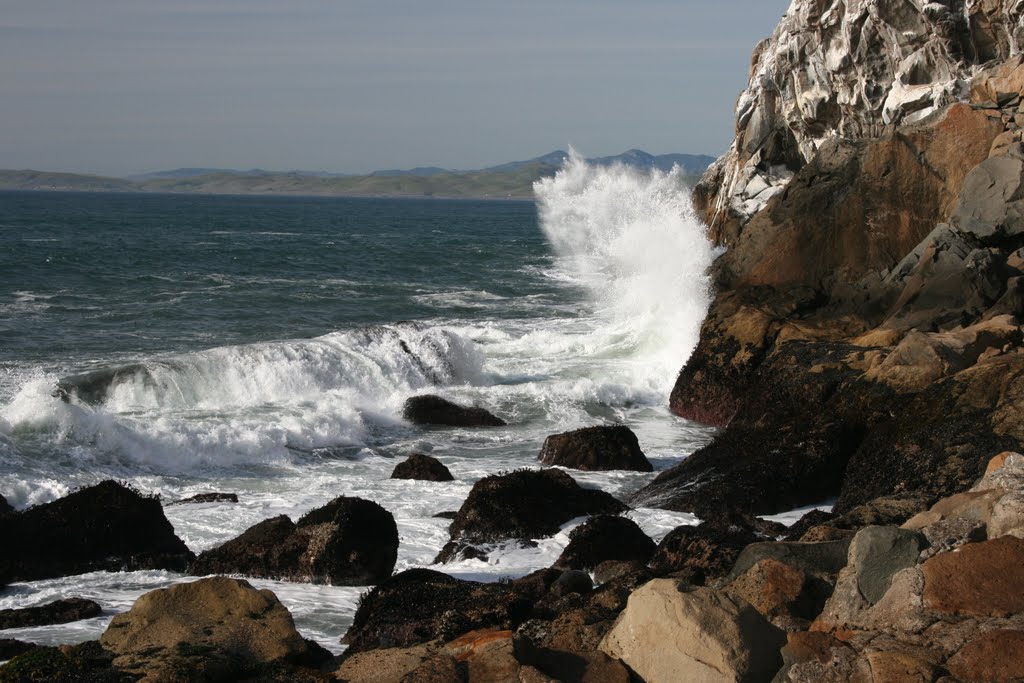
633	241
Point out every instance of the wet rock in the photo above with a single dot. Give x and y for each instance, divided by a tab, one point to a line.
605	537
665	634
56	612
996	656
596	449
423	468
11	648
703	553
211	629
420	605
434	410
980	579
348	542
523	505
212	497
103	527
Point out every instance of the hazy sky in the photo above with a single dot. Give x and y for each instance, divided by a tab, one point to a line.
124	86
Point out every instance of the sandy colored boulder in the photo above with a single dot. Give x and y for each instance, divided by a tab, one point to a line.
702	636
980	579
210	627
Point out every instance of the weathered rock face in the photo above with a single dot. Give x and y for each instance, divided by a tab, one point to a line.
103	527
423	468
523	505
211	629
603	538
848	69
595	448
667	635
434	410
348	542
56	612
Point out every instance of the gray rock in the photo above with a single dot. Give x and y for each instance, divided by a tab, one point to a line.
878	552
814	558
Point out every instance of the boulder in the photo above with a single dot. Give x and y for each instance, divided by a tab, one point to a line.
418	606
212	497
434	410
108	526
523	505
56	612
996	656
211	629
606	537
979	579
596	449
703	553
348	542
422	467
667	635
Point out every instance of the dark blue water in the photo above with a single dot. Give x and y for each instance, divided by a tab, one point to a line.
84	275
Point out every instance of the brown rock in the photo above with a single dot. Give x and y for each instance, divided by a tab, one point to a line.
980	579
994	657
208	628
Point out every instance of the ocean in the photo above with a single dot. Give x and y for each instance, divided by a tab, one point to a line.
264	346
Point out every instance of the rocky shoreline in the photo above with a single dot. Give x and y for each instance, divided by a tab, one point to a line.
864	346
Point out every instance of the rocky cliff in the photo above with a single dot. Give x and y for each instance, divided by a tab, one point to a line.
865	338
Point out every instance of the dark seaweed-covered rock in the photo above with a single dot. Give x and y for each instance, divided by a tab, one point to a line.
420	605
11	648
86	662
606	537
348	542
213	497
434	410
56	612
423	468
103	527
523	505
700	554
595	448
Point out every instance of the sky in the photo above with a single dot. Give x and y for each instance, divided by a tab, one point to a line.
350	86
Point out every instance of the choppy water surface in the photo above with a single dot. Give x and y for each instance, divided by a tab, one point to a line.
264	346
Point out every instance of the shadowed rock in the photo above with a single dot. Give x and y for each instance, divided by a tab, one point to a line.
523	505
595	448
103	527
423	468
348	542
434	410
56	612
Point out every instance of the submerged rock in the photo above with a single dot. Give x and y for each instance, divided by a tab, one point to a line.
434	410
595	448
348	542
56	612
523	505
103	527
213	497
423	468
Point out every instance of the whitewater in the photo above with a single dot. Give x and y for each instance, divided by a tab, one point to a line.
265	347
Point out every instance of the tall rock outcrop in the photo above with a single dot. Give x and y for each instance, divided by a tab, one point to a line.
848	69
865	340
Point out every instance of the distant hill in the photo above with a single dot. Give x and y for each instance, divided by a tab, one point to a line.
510	180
